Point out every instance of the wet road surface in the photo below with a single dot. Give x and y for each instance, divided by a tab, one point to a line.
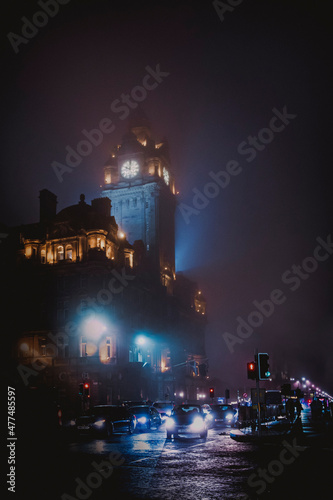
147	466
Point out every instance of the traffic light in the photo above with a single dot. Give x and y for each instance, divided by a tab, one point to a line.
251	370
80	389
263	365
211	392
87	390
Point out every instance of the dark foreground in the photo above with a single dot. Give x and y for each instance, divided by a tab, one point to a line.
147	466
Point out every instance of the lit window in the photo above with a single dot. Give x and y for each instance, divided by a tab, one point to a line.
43	256
108	347
60	253
42	346
83	347
69	252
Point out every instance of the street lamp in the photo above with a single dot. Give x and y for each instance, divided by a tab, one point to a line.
93	328
141	340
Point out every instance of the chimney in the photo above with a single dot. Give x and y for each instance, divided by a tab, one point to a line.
47	205
102	206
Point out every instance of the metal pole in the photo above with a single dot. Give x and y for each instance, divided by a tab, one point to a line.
258	397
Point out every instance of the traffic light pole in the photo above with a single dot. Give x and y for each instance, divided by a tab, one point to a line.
258	395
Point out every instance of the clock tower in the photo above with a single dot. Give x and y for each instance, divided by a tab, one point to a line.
139	180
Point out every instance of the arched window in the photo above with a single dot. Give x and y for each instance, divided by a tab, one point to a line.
60	252
43	256
69	252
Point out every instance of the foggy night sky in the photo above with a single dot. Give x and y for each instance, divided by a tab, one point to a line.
225	79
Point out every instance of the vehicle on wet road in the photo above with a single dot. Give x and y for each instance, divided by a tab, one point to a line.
186	419
164	408
105	420
223	415
146	417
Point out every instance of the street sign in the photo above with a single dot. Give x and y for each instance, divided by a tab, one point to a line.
254	395
244	394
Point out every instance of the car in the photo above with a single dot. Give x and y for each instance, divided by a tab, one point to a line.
206	408
223	414
186	419
145	416
136	403
104	420
164	408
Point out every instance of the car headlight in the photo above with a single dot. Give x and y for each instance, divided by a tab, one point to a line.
99	423
198	425
142	420
170	423
229	416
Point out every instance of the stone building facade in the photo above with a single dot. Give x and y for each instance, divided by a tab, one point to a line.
100	302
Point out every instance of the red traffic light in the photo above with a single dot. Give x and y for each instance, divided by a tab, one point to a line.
87	390
251	370
211	392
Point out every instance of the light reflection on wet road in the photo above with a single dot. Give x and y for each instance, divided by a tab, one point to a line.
191	468
186	468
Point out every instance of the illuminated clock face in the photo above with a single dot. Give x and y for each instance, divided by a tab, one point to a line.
166	176
130	169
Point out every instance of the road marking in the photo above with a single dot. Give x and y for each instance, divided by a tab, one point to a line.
142	459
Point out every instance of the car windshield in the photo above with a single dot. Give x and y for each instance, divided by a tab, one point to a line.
140	409
185	409
222	408
163	405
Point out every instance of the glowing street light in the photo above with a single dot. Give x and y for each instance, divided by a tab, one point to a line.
141	340
93	328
